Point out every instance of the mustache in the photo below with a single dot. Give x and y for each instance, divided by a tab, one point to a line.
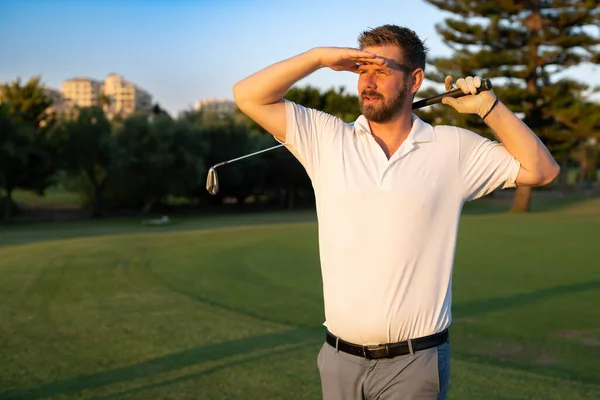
371	93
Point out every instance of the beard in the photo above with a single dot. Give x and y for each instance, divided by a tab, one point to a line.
385	110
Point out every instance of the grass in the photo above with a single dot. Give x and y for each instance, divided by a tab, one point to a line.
230	306
53	197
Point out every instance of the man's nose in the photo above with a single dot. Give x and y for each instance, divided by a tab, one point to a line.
369	81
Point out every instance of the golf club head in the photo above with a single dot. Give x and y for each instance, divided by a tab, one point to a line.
212	181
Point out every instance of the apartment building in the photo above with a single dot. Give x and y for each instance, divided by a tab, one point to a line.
82	91
124	97
116	95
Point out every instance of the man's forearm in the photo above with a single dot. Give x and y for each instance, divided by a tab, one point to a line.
523	145
269	85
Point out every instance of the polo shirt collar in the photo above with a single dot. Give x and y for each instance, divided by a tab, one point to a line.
420	132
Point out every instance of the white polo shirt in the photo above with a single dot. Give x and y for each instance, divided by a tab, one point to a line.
387	228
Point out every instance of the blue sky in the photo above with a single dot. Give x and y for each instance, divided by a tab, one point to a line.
183	50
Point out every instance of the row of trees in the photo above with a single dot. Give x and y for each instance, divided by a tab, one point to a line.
138	162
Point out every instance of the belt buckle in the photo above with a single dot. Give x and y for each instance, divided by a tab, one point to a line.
387	347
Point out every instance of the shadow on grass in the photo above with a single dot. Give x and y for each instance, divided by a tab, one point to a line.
561	372
196	297
208	371
482	307
299	338
485	306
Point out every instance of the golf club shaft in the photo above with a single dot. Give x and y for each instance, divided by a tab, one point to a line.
247	155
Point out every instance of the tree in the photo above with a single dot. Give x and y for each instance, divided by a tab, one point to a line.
152	160
26	102
82	148
25	161
16	148
228	136
190	150
577	129
341	104
526	42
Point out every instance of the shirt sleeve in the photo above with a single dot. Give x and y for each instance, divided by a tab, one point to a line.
484	165
308	135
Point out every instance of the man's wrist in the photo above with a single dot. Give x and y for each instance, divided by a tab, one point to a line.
494	104
316	54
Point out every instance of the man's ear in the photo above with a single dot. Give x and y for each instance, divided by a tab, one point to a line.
418	76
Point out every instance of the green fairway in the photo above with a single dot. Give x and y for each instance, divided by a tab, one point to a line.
230	307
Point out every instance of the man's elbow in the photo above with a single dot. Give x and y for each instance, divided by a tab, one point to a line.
538	177
245	98
238	94
549	175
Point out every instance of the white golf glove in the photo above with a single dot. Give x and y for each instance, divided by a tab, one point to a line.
476	103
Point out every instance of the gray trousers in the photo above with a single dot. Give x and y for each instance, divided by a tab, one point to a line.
423	375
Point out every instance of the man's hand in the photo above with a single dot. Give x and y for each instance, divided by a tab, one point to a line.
478	103
346	59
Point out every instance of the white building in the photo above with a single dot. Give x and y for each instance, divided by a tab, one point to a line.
124	97
82	91
116	95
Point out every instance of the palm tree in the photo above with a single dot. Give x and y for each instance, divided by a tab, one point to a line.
28	102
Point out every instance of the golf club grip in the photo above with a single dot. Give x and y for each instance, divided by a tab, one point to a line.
486	84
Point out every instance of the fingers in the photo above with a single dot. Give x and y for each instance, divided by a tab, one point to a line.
448	83
469	85
370	61
462	85
364	57
471	88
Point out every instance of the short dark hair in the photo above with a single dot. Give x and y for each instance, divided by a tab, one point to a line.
413	49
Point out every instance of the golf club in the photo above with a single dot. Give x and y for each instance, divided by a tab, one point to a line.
212	180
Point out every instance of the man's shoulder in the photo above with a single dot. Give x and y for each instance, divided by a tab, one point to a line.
310	111
309	119
446	129
465	139
443	134
454	133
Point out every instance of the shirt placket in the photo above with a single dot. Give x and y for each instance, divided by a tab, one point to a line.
401	153
381	163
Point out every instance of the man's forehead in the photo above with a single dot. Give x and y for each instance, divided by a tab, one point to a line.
390	64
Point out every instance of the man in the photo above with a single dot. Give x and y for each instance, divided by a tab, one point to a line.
389	190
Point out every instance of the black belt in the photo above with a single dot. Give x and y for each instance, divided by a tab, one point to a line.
389	350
